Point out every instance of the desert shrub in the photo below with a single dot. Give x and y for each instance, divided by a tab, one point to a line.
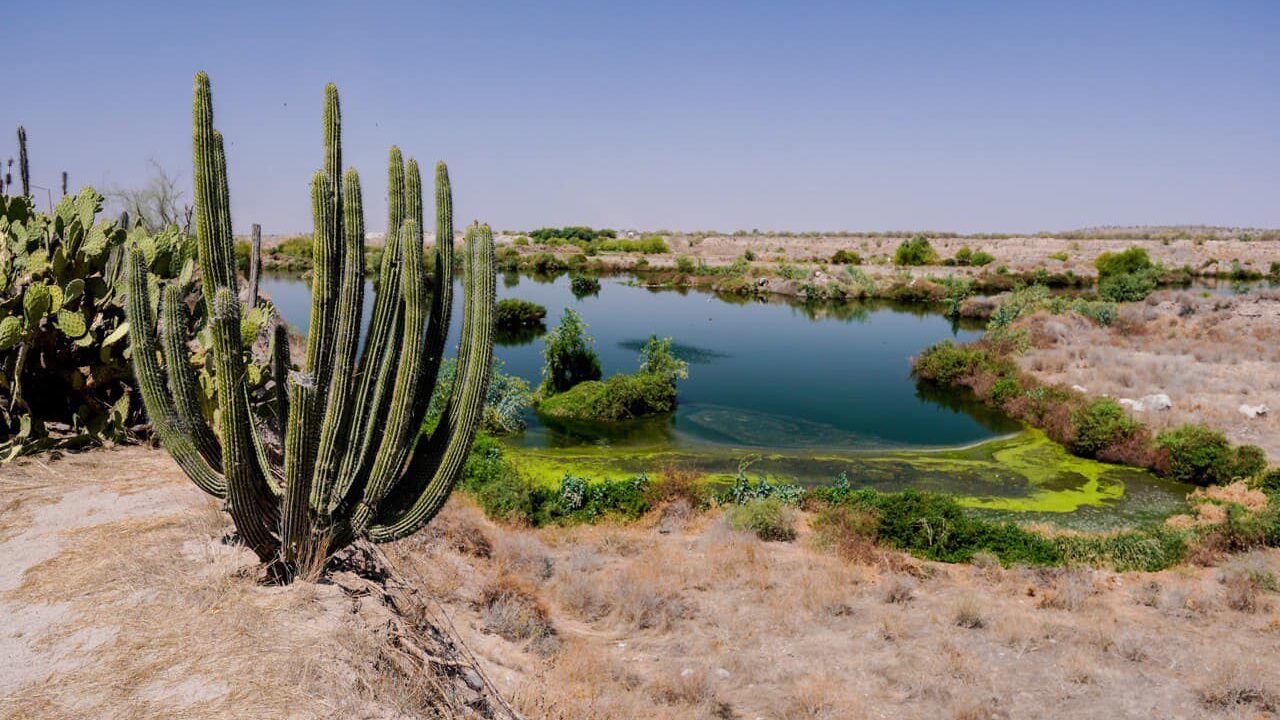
652	244
845	531
1130	261
685	264
846	257
1269	482
742	490
578	499
1103	313
545	262
936	527
569	355
1060	255
298	246
570	234
1004	389
1202	456
750	255
948	362
1145	549
497	485
1127	287
1250	460
522	241
767	518
512	313
507	399
982	258
1099	424
511	608
964	256
916	251
584	285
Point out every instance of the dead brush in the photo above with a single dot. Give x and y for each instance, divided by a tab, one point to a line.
847	533
1240	686
512	609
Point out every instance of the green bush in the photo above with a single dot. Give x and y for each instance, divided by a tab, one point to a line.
1100	424
1130	261
936	527
497	485
947	362
570	234
1128	287
685	264
1203	456
507	399
916	251
569	355
650	391
512	313
298	246
583	285
846	257
982	258
1269	483
767	518
1060	255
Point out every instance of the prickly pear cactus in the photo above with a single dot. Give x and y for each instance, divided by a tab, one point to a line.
65	376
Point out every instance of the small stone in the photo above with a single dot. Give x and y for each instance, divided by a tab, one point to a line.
1253	411
1080	388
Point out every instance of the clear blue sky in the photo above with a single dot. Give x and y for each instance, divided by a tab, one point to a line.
967	116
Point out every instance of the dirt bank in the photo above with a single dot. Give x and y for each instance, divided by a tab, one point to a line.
121	600
1210	356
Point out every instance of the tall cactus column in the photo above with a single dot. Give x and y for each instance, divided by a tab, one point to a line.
24	164
353	465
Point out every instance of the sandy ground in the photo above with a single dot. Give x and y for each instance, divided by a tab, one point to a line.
120	602
1209	355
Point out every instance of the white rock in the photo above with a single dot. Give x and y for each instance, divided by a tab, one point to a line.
1156	402
1253	411
1134	405
1080	389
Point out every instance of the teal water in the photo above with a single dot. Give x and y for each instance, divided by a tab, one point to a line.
766	375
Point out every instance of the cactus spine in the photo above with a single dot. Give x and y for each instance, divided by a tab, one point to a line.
353	465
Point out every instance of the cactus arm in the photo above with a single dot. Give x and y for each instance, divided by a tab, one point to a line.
442	298
326	250
182	380
402	422
155	397
380	350
340	405
210	195
249	497
298	462
437	464
24	165
280	366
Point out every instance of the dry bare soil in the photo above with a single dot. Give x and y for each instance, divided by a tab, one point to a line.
120	601
1209	355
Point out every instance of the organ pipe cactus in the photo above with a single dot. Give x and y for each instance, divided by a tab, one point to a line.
24	164
353	465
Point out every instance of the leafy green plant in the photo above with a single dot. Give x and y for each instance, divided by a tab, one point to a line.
569	355
583	286
685	264
846	257
513	313
915	251
1198	454
353	465
1101	423
650	391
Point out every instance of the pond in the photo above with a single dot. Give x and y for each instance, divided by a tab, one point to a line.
801	391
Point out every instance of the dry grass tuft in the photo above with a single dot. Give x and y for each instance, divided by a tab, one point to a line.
511	608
